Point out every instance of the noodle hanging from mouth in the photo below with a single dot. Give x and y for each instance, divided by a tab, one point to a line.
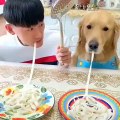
31	73
89	74
87	108
26	100
33	64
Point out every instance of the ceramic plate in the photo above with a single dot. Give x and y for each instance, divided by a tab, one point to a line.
45	105
69	98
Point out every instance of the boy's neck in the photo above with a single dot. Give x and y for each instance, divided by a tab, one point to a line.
21	42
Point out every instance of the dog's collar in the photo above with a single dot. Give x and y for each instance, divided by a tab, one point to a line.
111	64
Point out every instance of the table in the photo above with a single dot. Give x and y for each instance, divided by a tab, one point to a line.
60	80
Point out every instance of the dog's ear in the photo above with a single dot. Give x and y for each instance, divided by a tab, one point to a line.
81	33
117	34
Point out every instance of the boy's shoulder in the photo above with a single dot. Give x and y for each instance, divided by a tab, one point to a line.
7	40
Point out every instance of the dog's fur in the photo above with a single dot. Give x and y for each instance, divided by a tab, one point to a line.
97	22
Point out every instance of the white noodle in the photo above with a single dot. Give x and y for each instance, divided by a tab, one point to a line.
89	74
29	104
89	109
26	100
32	70
33	63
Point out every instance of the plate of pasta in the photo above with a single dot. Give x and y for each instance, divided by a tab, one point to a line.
98	106
16	103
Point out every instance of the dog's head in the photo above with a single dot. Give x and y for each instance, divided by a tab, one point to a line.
98	30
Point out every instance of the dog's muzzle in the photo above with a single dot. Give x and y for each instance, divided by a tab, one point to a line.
93	45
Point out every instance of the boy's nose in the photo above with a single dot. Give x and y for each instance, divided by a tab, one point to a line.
38	33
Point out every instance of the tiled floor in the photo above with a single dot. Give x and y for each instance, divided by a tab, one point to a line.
2	23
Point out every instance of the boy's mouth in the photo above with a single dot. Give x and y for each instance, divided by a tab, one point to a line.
39	42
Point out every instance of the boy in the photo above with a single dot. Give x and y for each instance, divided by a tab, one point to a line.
25	23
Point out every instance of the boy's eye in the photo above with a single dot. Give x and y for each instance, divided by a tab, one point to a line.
41	24
30	29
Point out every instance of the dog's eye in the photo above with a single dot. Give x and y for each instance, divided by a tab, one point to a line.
89	26
105	28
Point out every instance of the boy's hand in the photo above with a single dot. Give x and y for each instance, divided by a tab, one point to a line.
63	56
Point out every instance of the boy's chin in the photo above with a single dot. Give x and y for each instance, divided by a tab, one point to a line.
39	44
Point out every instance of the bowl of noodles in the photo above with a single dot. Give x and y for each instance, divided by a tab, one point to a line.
17	103
98	106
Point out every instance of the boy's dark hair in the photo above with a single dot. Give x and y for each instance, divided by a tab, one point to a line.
24	13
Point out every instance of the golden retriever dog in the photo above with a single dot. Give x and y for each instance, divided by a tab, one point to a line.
98	32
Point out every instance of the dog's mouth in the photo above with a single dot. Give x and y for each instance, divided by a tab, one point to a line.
93	46
96	51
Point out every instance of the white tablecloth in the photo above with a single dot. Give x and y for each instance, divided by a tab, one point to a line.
59	80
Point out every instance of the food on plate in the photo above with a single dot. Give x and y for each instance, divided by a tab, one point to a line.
89	109
22	102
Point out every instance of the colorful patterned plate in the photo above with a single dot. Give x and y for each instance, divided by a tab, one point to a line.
69	98
45	106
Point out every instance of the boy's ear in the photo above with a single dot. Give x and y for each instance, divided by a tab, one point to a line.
9	29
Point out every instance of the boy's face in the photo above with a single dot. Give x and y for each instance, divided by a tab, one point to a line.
29	36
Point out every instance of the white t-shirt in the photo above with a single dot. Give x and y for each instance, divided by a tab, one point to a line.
12	50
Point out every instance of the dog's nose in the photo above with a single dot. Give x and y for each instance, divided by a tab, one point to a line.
93	45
